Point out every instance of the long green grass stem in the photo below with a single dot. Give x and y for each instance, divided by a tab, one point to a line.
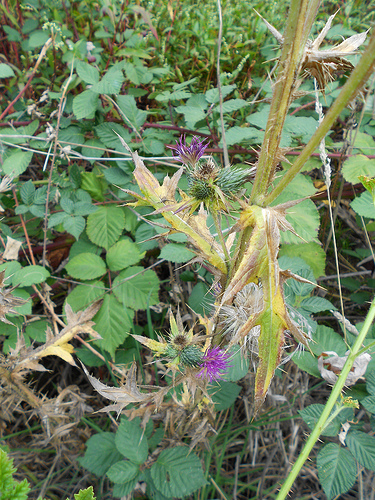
357	79
336	391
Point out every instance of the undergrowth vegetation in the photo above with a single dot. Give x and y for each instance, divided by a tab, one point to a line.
191	241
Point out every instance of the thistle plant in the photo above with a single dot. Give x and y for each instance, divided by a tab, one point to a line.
248	255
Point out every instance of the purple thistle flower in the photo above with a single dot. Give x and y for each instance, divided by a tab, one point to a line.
214	362
189	155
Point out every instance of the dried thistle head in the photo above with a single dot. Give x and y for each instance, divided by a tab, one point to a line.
325	64
8	301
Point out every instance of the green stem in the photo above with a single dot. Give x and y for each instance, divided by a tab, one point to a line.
336	391
290	62
359	76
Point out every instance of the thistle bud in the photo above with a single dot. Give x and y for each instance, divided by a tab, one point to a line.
191	356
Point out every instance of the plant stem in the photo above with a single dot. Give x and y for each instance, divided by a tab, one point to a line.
359	76
290	60
336	391
220	234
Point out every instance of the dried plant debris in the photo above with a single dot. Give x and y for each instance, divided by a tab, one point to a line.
8	301
325	64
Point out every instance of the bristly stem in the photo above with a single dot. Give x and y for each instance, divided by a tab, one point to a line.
359	76
335	394
293	43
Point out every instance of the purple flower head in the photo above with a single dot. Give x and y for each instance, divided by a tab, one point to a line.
189	155
214	363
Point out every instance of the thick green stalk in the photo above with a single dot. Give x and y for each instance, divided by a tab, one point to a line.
336	391
290	62
359	76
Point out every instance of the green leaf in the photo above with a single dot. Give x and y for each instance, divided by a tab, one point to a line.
27	192
87	72
370	376
362	446
224	394
337	470
364	142
101	453
137	288
364	206
123	471
177	472
213	97
312	253
74	224
176	253
86	266
311	415
131	442
326	339
358	165
111	83
232	105
306	362
16	163
6	71
317	304
236	135
56	219
369	403
85	104
192	114
123	254
113	322
83	295
200	300
128	106
122	490
10	489
89	149
105	226
107	134
37	330
30	275
87	494
94	185
305	220
239	365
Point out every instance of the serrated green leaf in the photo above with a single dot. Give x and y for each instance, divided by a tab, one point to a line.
113	322
199	299
87	72
177	472
326	339
86	266
317	304
85	104
123	254
312	253
75	225
10	489
238	365
364	206
370	376
364	142
30	275
224	394
122	490
236	135
128	106
87	494
310	416
89	149
27	192
123	471
37	330
107	134
369	403
176	253
83	295
337	470
213	97
57	218
104	227
131	442
232	105
111	83
6	71
137	288
306	362
362	446
16	163
192	114
358	165
101	453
